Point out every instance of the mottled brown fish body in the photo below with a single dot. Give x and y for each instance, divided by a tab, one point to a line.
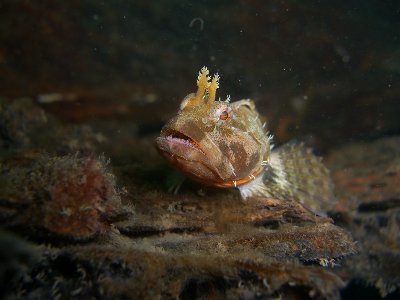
224	144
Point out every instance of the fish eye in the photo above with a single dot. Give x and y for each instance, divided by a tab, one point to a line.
224	115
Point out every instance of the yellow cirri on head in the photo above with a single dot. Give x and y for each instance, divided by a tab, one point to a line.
206	90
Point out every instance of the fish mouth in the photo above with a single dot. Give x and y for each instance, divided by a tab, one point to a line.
171	136
186	154
191	158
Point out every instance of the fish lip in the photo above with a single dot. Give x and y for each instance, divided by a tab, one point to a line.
175	136
169	136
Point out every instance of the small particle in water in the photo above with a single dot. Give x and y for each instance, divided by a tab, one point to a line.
343	53
200	20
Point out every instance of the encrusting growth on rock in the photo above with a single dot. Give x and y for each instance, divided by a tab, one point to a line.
66	196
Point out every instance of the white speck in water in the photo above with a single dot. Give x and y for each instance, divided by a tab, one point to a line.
199	20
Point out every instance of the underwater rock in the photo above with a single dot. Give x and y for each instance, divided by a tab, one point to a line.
17	257
26	127
265	227
193	247
367	177
308	243
80	139
66	196
110	273
18	118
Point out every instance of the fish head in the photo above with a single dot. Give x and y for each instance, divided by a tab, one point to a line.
217	143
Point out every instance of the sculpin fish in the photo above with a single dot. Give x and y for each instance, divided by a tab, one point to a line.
225	144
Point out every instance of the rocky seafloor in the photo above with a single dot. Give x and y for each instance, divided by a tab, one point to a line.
88	209
77	224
